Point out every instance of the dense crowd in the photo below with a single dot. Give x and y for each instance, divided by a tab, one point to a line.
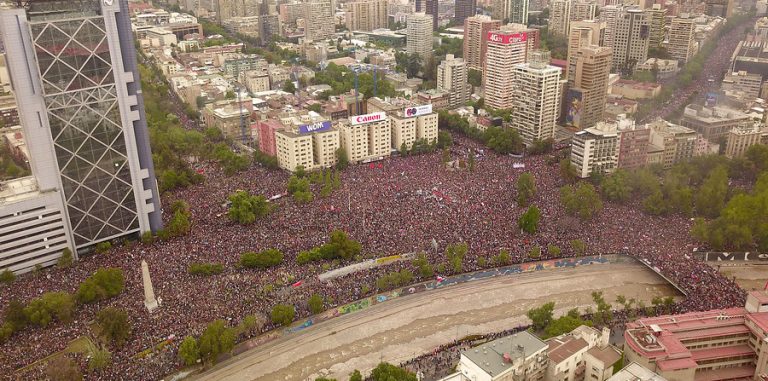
715	66
398	207
402	205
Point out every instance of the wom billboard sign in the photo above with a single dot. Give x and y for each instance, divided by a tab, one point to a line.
738	256
506	39
315	127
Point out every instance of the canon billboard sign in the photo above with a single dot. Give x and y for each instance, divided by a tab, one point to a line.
417	111
506	39
367	118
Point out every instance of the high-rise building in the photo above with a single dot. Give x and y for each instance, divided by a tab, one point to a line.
681	44
513	11
741	138
595	149
583	33
452	78
630	43
506	48
82	112
657	19
319	21
719	8
634	142
583	10
588	85
536	99
419	31
366	15
609	14
476	29
464	9
560	17
269	26
432	9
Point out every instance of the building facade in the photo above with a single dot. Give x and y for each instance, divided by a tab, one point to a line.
505	49
741	138
464	9
588	85
713	123
513	11
520	357
366	137
724	344
366	15
476	29
83	117
560	16
630	41
536	98
681	43
419	31
452	78
319	21
595	149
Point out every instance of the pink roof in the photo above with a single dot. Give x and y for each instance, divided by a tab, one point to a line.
712	332
725	374
673	346
668	365
720	352
762	296
760	319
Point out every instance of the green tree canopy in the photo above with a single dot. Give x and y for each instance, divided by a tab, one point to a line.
526	188
217	339
529	221
245	209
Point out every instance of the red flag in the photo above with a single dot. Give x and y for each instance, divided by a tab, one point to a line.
297	284
371	165
440	279
381	166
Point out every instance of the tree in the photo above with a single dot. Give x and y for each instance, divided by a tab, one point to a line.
62	368
503	258
455	254
104	283
421	263
113	325
245	209
66	258
188	351
553	250
526	188
616	186
710	199
205	269
216	340
503	140
567	170
289	87
262	260
15	315
100	359
342	159
7	276
579	247
565	324
315	303
355	376
581	200
529	221
389	372
43	310
475	77
535	252
413	65
541	317
444	139
283	314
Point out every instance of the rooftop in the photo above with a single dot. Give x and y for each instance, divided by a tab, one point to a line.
636	84
18	189
561	348
490	357
609	355
636	372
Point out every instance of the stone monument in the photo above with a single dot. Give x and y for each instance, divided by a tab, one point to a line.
149	293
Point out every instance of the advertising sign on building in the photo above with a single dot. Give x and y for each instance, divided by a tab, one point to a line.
315	127
507	39
573	107
711	100
367	118
417	110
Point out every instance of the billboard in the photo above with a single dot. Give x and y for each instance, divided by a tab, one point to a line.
574	106
507	39
417	110
711	99
315	127
367	118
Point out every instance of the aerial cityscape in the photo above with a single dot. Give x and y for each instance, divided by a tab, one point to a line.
384	190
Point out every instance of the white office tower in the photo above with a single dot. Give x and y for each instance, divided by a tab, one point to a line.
595	149
681	44
452	78
537	97
75	77
513	11
609	14
631	39
505	48
319	23
419	31
560	17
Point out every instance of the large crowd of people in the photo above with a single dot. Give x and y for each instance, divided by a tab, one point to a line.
403	205
400	205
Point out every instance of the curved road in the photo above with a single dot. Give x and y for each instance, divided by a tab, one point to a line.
411	325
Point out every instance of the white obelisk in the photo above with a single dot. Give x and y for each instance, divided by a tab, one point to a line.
149	292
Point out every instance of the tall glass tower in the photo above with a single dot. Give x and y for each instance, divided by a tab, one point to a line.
74	72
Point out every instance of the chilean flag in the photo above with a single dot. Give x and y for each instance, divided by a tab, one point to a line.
439	279
297	284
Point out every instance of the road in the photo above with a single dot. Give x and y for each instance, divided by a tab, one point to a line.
714	67
408	326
